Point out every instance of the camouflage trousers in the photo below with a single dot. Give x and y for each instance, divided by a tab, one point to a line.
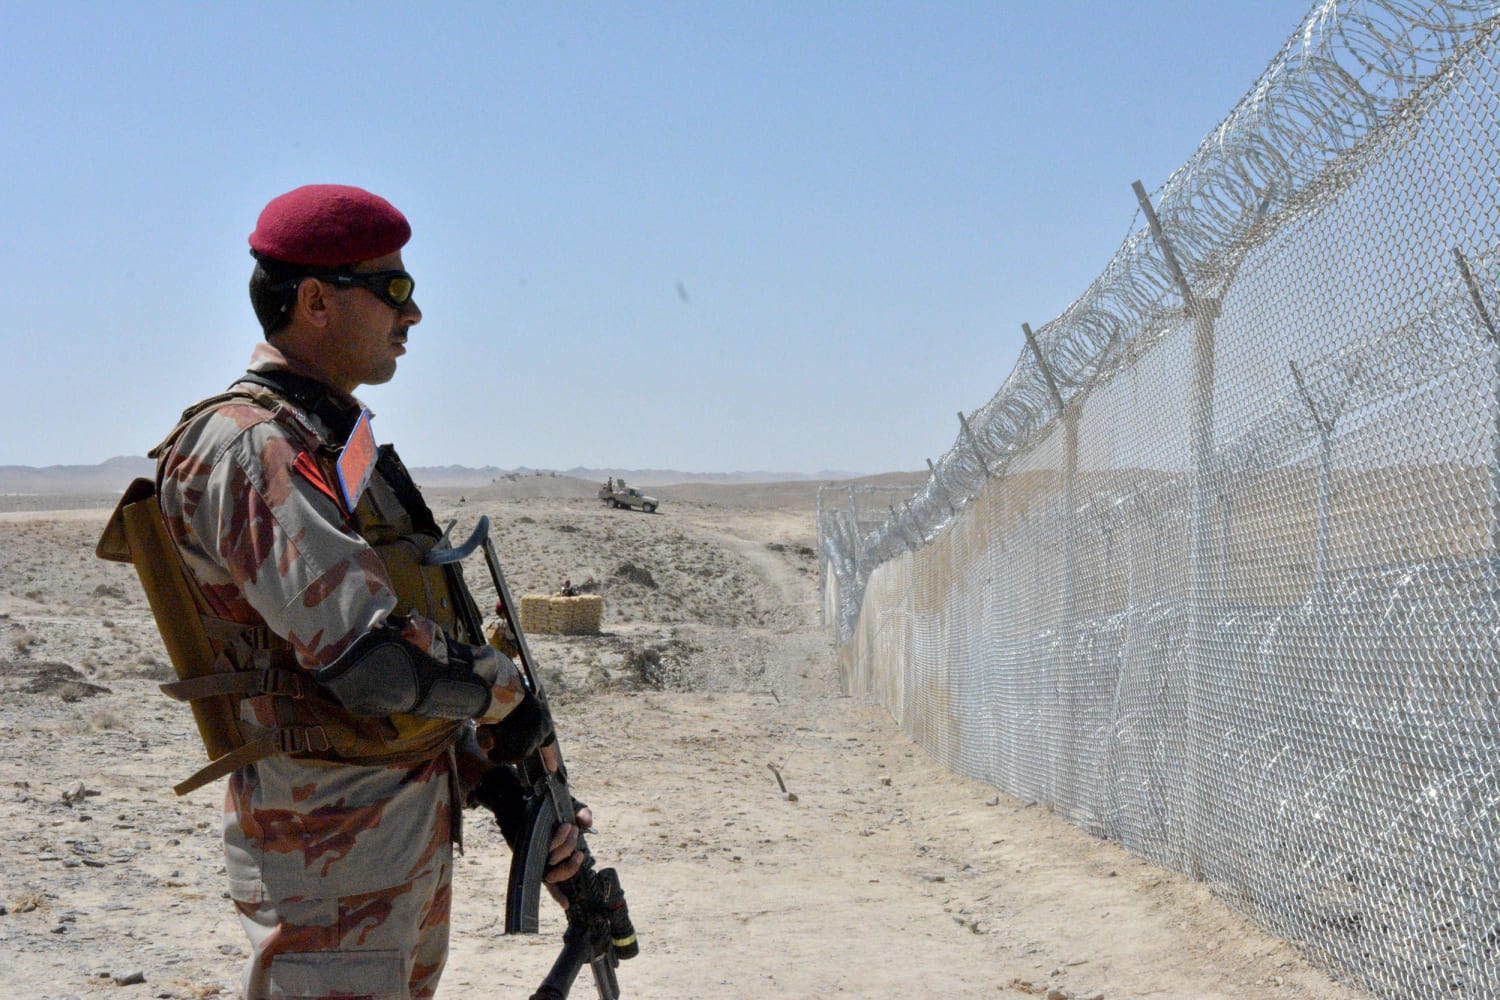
385	945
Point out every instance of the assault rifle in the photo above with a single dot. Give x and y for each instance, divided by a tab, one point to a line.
599	930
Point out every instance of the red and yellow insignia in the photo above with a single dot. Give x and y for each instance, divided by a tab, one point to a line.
357	461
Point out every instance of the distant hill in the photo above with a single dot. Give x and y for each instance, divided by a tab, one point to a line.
114	475
458	475
789	493
108	477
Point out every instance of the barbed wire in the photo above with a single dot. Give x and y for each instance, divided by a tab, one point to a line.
1285	148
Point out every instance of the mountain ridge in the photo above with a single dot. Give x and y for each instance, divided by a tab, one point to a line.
114	474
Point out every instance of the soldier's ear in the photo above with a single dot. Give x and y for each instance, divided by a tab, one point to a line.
314	301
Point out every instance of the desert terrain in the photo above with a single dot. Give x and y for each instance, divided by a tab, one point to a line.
875	874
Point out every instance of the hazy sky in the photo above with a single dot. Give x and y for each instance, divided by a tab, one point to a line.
702	236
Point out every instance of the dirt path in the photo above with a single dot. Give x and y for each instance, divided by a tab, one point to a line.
887	877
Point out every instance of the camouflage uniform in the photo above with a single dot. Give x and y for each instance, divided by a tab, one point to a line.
340	872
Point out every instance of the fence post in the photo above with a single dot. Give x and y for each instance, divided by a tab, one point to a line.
1494	477
1325	475
1226	508
1200	545
932	471
900	528
973	443
1067	706
856	560
822	564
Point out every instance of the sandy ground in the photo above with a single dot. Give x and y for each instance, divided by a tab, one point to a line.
885	876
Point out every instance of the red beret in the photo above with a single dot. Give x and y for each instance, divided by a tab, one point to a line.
326	225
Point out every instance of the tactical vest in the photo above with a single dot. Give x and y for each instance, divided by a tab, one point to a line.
221	663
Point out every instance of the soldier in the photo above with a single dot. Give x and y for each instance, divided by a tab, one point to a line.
358	724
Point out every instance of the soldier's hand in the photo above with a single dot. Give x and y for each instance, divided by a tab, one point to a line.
563	855
564	858
517	734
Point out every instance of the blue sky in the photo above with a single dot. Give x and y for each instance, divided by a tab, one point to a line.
702	236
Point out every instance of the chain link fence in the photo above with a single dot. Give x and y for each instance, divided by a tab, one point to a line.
1216	573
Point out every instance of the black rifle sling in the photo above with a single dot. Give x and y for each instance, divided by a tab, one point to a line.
310	395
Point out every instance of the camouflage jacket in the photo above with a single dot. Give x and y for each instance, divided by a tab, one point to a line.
266	542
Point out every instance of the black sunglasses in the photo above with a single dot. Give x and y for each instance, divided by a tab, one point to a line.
393	287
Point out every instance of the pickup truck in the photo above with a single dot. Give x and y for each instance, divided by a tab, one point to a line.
616	494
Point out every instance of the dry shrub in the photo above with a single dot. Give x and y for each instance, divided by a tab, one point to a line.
555	684
105	719
60	681
662	665
631	573
648	667
150	667
27	902
806	551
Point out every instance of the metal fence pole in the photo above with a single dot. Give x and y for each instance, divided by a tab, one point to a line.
822	563
1067	721
1494	476
1202	312
1321	570
932	471
1226	509
974	443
